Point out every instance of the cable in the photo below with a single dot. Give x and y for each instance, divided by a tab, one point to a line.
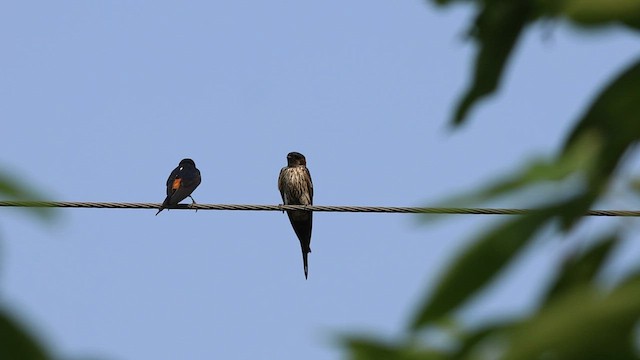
315	208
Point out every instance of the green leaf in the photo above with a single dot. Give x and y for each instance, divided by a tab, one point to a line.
497	29
16	343
592	151
480	339
11	188
634	185
580	270
595	12
361	348
479	264
614	119
583	324
578	158
634	23
447	2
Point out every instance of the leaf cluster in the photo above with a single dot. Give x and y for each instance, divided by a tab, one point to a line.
16	341
578	317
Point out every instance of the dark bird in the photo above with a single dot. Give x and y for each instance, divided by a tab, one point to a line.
296	188
183	180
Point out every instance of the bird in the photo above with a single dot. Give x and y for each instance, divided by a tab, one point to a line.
296	188
183	180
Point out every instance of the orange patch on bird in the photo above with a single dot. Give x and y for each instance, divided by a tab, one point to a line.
176	184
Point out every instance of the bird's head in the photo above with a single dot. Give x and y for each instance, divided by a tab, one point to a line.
295	159
189	162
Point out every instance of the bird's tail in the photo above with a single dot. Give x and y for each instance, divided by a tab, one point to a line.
305	263
165	204
301	222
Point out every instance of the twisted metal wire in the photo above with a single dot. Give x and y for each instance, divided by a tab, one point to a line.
316	208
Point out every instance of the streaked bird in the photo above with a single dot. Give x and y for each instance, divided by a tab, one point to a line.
183	180
296	188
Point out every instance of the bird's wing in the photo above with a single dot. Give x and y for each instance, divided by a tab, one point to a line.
198	178
170	181
309	184
179	195
281	184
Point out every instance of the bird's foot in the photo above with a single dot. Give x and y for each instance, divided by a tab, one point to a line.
193	202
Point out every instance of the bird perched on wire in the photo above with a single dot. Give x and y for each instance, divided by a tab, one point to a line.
296	188
183	180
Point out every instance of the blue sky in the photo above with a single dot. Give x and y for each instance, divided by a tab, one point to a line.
101	100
